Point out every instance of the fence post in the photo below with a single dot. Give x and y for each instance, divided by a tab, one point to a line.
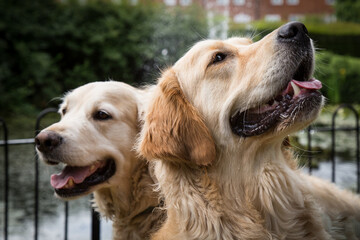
309	129
333	144
41	115
66	220
357	148
6	190
95	225
357	142
358	152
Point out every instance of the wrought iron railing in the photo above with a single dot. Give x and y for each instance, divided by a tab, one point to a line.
95	226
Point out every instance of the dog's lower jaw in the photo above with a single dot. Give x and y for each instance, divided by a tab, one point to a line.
298	121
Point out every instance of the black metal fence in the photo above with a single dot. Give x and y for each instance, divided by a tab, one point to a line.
332	130
95	221
95	234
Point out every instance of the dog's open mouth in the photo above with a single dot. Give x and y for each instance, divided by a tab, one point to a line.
75	180
297	97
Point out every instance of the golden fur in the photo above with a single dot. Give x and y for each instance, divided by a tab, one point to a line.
127	198
189	139
239	188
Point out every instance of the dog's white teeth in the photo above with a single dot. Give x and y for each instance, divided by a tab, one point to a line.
275	103
296	88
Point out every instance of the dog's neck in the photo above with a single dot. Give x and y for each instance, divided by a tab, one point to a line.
134	213
245	164
259	189
264	174
195	204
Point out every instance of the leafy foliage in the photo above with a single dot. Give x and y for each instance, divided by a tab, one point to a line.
340	76
48	47
348	10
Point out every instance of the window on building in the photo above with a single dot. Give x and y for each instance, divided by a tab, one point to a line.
170	2
292	2
242	18
272	18
330	2
222	2
296	17
239	2
277	2
185	2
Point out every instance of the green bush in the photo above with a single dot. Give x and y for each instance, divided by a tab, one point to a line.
347	10
340	76
48	47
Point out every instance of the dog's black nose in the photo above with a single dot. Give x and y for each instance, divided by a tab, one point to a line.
293	31
47	140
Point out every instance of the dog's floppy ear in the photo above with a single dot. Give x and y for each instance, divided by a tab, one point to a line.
173	129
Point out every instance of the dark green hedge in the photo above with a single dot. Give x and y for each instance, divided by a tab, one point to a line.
343	44
48	47
347	10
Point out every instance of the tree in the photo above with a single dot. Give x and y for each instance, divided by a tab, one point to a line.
348	10
48	47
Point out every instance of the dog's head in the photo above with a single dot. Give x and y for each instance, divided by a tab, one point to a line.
94	138
237	89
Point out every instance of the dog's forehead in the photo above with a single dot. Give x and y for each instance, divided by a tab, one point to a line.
207	47
212	45
239	41
96	92
200	51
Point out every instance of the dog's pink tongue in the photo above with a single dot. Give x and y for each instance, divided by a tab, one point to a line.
312	84
78	174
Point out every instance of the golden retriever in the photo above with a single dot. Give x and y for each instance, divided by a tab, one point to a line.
214	130
94	139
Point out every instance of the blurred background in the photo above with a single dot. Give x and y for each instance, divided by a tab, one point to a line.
48	47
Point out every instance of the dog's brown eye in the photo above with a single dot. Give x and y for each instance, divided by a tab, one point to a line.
102	115
219	57
63	111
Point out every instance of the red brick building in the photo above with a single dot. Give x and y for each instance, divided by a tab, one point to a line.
243	11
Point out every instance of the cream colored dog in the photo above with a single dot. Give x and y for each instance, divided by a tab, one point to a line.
214	130
94	139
